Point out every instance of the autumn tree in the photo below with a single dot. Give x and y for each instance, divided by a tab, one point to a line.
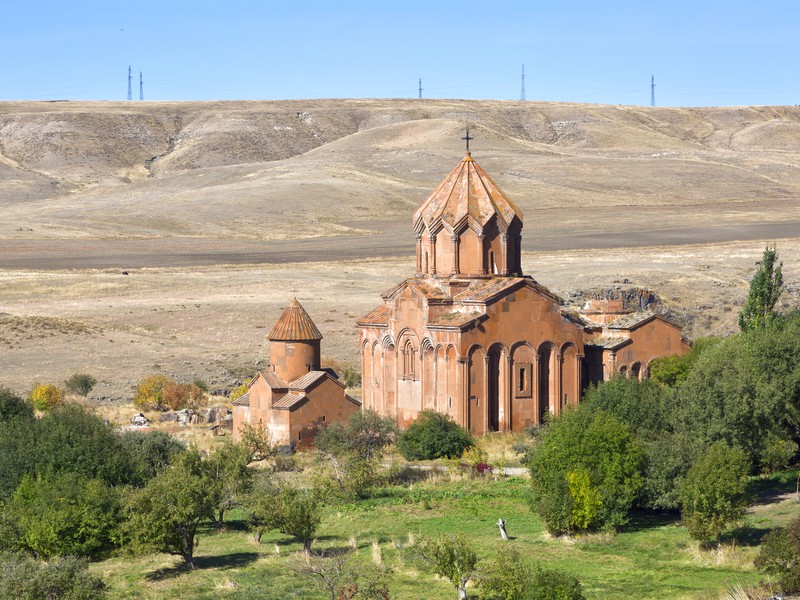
765	289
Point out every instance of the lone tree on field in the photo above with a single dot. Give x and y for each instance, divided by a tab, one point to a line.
765	289
451	557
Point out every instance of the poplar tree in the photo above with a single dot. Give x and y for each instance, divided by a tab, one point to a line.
765	289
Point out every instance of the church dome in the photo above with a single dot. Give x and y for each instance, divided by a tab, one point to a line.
294	325
467	197
468	227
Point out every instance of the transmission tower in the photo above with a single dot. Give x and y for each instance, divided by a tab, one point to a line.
522	91
141	87
420	87
652	90
130	96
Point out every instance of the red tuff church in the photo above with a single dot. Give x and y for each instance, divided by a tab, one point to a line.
471	336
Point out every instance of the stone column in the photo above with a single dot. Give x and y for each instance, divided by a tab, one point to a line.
485	410
456	257
504	249
419	254
537	416
612	365
559	388
482	269
506	425
463	391
433	254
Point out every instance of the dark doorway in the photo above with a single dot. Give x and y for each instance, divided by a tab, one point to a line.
494	389
544	382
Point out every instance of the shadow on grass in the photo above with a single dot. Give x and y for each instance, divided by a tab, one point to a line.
745	536
226	561
642	520
770	489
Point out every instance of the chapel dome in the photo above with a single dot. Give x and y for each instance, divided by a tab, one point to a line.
294	325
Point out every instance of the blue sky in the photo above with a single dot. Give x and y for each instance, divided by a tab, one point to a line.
701	52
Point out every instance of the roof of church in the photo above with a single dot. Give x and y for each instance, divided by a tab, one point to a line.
288	401
377	316
608	342
294	325
243	400
273	380
306	381
632	320
467	194
457	320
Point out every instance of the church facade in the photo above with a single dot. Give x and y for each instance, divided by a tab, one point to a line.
294	398
471	336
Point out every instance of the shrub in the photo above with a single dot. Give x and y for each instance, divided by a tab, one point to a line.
778	453
602	459
779	554
13	407
80	384
46	397
148	453
150	392
62	579
433	435
714	493
176	396
239	391
450	557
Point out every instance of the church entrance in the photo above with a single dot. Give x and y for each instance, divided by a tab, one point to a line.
545	381
495	387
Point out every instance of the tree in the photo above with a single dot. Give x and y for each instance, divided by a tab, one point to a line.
340	574
779	554
433	435
13	406
292	511
45	397
673	370
64	514
714	493
80	384
231	479
147	453
586	472
765	289
150	392
451	557
164	516
68	578
354	449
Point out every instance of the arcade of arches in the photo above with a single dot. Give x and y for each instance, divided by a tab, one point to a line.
472	337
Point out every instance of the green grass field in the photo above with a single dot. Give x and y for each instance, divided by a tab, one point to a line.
653	558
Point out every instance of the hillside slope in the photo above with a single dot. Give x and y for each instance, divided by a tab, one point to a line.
290	169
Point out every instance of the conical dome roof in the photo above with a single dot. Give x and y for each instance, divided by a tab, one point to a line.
294	325
467	195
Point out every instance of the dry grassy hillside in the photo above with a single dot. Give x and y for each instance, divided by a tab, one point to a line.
272	170
164	237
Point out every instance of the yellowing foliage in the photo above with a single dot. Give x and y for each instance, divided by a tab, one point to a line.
150	393
46	396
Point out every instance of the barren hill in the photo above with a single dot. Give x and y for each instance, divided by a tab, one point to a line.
265	171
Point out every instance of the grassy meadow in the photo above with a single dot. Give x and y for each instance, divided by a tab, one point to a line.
652	558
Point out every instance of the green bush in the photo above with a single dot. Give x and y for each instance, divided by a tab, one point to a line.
779	555
508	577
64	514
147	453
778	454
604	461
433	435
714	493
13	406
62	579
80	384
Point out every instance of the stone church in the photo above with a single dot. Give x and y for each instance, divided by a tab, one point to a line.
294	398
471	336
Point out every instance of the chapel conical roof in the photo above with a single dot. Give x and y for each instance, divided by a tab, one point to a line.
294	325
466	196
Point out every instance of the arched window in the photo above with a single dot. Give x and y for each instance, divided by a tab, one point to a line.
408	360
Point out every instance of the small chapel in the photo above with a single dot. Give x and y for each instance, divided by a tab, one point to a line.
294	398
470	335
